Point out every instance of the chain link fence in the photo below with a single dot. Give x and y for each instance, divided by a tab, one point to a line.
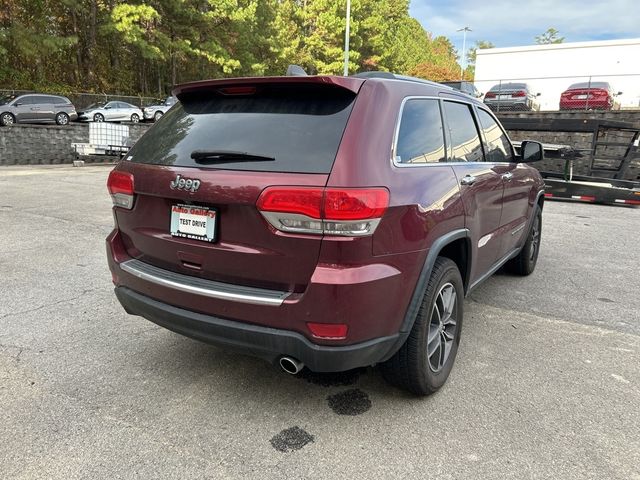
82	100
568	93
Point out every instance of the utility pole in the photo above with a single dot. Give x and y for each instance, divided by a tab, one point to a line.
346	39
464	50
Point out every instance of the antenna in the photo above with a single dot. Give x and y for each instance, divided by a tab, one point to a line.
296	71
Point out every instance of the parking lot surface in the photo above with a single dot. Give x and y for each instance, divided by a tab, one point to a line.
546	383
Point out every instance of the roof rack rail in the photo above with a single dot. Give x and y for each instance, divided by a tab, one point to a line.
395	76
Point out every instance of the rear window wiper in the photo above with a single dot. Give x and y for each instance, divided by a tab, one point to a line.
210	156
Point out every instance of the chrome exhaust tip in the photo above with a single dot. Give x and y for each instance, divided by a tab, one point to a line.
291	365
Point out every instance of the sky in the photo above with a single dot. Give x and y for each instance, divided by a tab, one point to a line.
516	23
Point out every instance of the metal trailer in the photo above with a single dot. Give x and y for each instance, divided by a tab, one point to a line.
613	147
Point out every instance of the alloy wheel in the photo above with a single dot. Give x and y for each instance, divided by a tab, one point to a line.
442	327
535	238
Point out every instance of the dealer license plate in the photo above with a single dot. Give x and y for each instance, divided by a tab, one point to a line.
581	97
190	221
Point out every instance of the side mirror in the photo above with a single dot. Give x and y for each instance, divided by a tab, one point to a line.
531	152
17	104
107	107
538	94
619	93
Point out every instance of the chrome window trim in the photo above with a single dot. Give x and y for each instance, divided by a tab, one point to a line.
394	145
441	100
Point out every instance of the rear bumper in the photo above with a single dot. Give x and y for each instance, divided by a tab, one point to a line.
263	342
583	105
508	104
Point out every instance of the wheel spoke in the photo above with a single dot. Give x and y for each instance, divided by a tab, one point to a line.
443	352
433	345
442	327
448	336
433	333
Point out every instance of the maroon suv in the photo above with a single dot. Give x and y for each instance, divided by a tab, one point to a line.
332	222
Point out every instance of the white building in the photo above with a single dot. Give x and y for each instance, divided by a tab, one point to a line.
550	69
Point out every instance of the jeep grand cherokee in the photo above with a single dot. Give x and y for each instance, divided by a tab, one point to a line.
333	222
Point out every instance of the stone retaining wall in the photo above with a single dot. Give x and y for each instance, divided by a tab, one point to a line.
49	144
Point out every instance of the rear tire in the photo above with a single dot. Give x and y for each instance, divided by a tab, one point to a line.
423	363
525	263
7	119
135	118
62	118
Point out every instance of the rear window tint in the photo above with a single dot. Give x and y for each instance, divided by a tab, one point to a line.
299	125
509	86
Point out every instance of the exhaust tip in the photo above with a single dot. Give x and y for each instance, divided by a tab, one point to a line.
291	365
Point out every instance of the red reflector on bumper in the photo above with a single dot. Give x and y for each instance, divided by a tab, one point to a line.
329	331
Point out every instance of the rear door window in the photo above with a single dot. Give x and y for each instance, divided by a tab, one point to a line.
27	100
420	136
279	128
499	147
465	141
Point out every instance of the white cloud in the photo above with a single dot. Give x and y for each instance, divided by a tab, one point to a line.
508	23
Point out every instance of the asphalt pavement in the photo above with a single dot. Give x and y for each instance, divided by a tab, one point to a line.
546	384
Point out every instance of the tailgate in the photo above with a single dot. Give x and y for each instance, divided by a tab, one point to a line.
278	134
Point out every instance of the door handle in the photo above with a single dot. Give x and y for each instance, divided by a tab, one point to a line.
507	176
468	180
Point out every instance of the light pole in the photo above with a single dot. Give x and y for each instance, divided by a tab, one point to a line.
346	39
464	49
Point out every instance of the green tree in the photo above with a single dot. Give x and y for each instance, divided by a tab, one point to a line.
550	36
143	46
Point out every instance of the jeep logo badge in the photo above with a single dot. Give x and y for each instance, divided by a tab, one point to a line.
188	184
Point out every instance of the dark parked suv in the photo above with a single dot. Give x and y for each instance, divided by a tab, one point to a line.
332	222
36	108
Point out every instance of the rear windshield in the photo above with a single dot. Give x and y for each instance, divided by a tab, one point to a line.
299	126
509	86
576	86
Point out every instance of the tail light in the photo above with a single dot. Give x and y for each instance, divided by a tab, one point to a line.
351	212
490	95
120	185
520	93
599	93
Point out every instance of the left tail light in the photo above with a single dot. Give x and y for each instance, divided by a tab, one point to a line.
120	185
351	212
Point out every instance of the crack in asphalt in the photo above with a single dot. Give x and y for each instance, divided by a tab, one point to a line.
51	304
20	349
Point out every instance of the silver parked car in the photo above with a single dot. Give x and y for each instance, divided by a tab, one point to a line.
36	108
512	96
154	112
114	111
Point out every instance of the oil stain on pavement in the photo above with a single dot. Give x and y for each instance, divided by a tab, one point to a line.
350	402
291	439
